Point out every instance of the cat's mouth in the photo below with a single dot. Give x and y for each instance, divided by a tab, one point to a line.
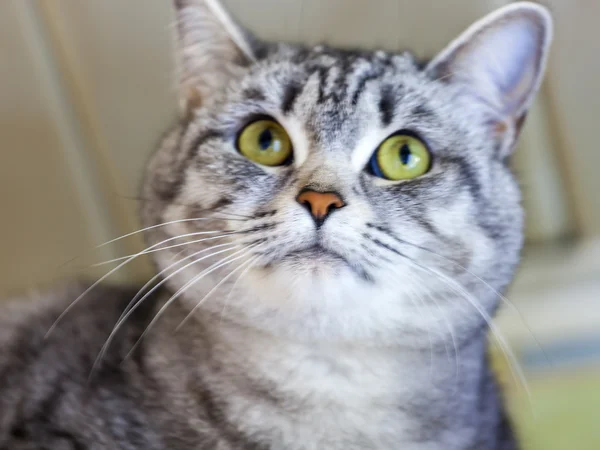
319	255
316	252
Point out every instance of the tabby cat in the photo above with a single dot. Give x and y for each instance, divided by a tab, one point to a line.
332	230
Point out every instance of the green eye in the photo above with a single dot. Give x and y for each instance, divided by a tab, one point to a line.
265	142
401	157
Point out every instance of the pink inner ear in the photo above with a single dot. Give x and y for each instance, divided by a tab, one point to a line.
517	94
500	59
505	61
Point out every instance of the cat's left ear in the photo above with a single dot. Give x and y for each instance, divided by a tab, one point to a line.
212	48
500	62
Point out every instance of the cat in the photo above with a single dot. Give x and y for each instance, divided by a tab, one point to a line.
331	229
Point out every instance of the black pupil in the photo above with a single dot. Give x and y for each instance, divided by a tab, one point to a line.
265	140
405	154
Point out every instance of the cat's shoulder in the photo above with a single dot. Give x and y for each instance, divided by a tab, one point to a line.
47	359
58	330
46	356
40	318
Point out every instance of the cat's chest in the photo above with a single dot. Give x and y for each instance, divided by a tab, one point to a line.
335	406
331	426
279	395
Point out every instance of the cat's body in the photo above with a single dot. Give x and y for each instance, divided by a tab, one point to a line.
187	391
316	299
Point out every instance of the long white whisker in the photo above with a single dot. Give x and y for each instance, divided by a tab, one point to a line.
452	336
162	272
231	246
128	313
244	272
125	314
514	365
513	362
104	277
158	275
503	298
421	305
164	224
426	305
209	293
104	263
181	291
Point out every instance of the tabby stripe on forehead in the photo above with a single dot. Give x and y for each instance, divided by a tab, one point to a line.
254	94
290	94
322	71
340	84
386	105
362	83
421	112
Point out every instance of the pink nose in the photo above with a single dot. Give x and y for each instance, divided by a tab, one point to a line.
320	203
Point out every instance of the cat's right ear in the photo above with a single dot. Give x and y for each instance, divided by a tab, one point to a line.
211	48
499	62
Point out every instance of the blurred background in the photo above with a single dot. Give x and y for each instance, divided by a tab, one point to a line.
87	88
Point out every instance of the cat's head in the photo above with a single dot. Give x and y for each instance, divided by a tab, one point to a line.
343	194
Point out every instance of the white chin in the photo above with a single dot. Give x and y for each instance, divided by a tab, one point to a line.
314	264
318	265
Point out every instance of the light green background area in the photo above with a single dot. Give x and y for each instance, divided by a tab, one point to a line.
563	412
566	412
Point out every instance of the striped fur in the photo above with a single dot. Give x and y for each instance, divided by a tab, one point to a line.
367	332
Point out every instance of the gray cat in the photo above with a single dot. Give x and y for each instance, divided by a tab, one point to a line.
331	230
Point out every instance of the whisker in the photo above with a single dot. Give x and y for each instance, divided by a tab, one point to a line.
191	313
104	263
179	270
104	277
134	301
150	228
244	272
428	307
503	298
127	313
420	305
181	291
162	272
164	224
515	367
452	336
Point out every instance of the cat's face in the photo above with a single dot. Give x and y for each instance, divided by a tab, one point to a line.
351	194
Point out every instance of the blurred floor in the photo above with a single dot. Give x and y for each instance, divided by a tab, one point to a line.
556	338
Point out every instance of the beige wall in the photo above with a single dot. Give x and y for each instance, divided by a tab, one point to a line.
43	223
575	103
86	89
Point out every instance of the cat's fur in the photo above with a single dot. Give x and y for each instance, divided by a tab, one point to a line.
368	332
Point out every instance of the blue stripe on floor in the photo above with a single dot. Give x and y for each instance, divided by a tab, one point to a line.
564	353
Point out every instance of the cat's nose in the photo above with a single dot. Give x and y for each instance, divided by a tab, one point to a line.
320	204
